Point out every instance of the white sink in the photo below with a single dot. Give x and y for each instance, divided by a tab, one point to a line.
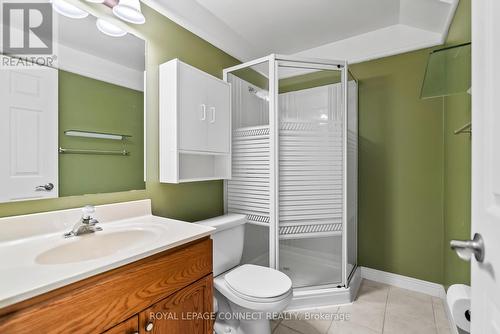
36	258
94	245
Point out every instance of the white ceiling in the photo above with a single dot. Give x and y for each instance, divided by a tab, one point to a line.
251	29
289	26
83	35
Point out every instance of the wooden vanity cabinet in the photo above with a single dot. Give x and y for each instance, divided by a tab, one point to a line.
183	312
129	326
169	292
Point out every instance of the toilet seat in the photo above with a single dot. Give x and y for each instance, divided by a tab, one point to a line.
257	282
281	288
257	299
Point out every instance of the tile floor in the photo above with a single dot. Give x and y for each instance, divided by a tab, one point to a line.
379	308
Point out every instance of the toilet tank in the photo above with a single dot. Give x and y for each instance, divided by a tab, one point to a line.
227	240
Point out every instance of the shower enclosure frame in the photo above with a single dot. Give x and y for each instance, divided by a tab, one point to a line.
275	61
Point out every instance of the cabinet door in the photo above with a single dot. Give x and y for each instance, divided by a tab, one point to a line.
219	120
192	110
130	326
187	311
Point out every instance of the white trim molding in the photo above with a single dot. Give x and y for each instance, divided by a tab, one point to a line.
453	326
82	63
405	282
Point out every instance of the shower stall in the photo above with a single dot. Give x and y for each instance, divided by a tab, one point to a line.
294	172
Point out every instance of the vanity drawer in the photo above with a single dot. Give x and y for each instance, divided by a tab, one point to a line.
96	304
129	326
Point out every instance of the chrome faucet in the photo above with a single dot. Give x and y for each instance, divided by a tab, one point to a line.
86	224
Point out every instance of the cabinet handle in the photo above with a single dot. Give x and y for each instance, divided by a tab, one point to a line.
149	326
204	112
213	114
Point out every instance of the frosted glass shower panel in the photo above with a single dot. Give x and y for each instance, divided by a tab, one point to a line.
312	261
248	192
311	158
250	96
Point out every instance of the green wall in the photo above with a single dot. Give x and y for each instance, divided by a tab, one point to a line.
93	105
165	40
400	169
457	169
414	174
310	80
252	76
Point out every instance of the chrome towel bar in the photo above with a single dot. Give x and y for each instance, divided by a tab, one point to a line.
103	152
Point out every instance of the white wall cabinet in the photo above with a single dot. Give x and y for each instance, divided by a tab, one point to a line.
195	125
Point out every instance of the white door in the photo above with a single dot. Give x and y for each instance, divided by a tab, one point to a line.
485	309
28	133
219	116
193	109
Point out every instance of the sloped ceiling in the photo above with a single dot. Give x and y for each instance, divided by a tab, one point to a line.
355	30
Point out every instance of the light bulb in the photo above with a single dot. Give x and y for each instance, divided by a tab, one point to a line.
68	10
109	28
130	11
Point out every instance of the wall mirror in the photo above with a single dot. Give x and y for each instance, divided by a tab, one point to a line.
77	127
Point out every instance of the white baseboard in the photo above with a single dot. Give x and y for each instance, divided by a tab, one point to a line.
453	326
413	284
405	282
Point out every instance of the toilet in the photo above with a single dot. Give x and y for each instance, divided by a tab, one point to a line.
245	296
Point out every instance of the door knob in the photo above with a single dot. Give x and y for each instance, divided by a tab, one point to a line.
47	187
465	248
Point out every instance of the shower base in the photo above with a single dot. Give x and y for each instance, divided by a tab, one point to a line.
313	277
323	297
309	268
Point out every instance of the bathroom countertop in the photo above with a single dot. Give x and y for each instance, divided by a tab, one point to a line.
34	265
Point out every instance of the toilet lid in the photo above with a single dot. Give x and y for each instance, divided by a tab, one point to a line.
257	281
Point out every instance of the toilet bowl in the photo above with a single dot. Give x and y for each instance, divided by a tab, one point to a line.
246	295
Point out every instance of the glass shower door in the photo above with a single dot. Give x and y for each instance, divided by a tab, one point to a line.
248	191
311	174
294	167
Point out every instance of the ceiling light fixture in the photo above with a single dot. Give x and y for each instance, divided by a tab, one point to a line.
68	10
127	10
130	11
109	28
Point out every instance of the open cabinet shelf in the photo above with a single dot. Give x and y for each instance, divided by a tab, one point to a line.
203	167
